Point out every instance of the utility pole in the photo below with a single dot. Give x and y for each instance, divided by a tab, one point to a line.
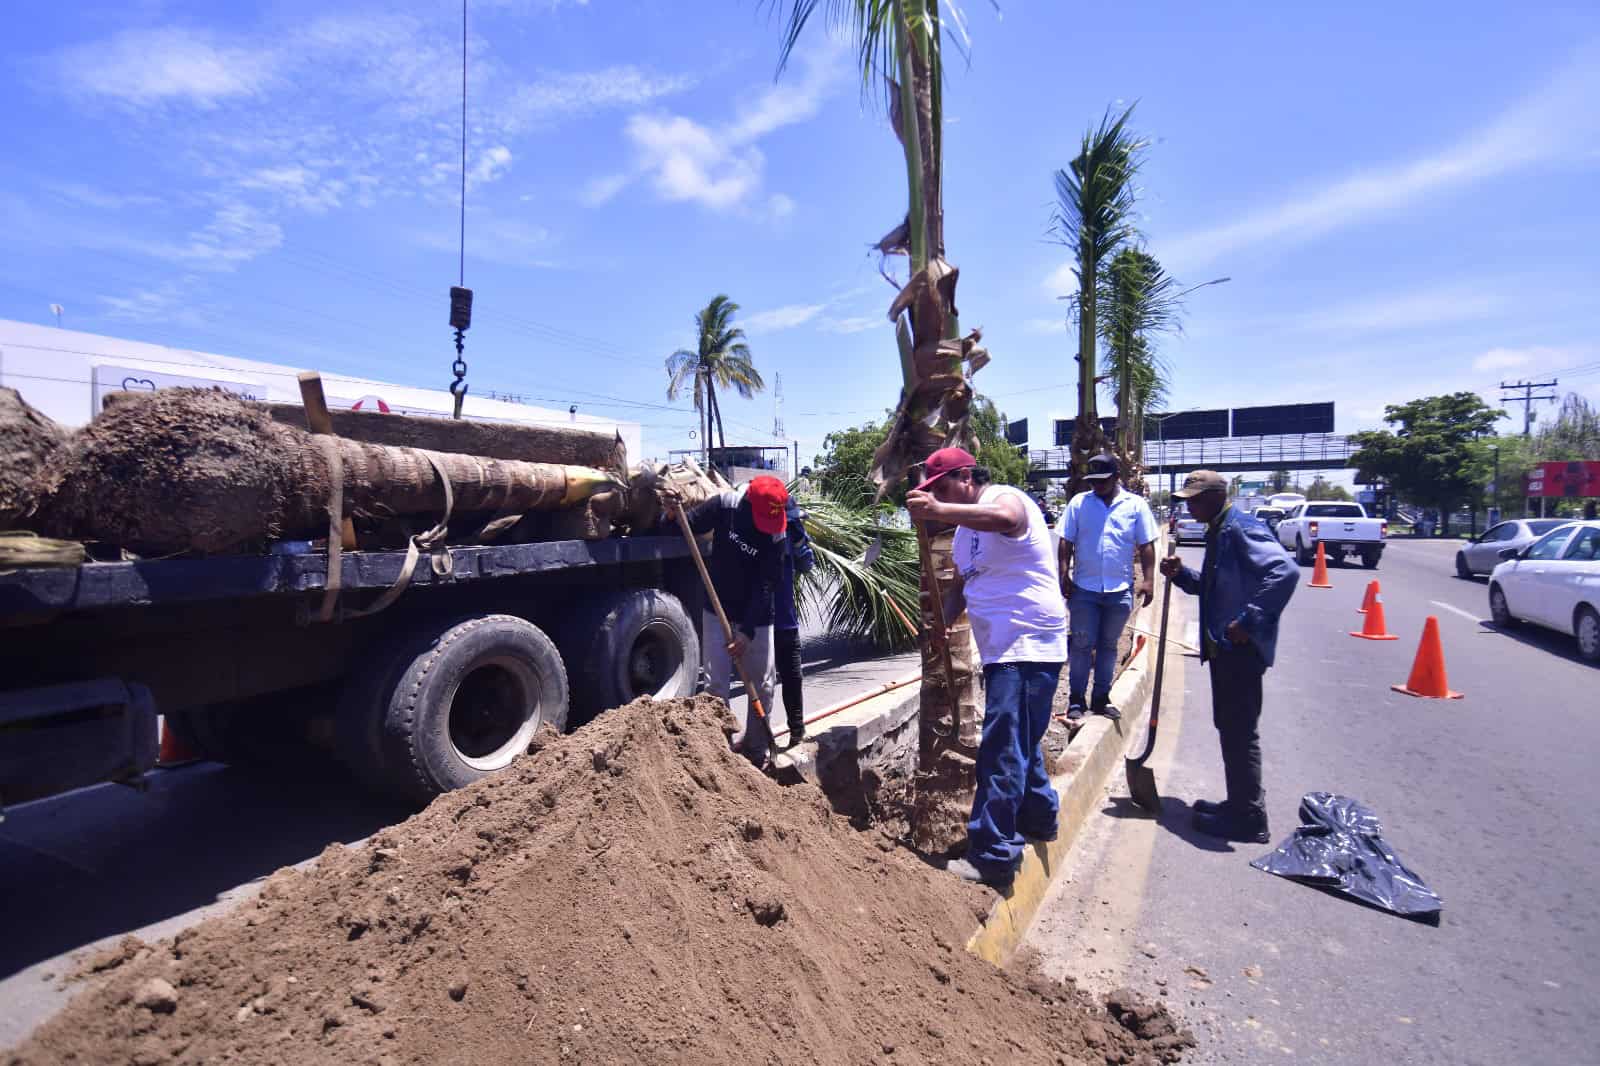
1526	399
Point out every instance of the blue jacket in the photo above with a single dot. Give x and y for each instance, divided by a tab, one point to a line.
746	565
799	559
1250	582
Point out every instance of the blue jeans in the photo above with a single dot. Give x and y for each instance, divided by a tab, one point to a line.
1015	797
1096	620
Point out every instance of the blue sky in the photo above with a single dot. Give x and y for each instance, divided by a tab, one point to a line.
1402	194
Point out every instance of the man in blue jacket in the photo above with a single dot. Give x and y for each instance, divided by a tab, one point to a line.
1244	584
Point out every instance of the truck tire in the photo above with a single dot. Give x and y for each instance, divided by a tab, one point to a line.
1370	557
458	700
1301	555
638	642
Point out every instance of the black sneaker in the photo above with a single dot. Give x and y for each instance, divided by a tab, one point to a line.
1076	709
1103	707
1224	826
797	732
1209	806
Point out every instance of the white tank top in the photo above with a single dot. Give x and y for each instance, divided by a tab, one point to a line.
1013	593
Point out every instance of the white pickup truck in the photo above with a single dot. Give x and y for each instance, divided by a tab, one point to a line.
1342	528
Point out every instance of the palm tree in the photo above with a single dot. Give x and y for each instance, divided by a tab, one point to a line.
856	589
900	45
721	358
1094	217
1136	300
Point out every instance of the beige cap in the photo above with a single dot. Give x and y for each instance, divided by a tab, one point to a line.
1200	481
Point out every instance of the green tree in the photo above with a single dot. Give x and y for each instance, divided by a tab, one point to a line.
1322	489
1281	480
844	469
721	358
1433	457
1006	463
1574	434
1094	216
1137	301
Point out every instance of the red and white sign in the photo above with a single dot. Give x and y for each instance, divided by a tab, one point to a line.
1575	479
371	402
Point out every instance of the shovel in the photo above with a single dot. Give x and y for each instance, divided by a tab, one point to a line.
1142	779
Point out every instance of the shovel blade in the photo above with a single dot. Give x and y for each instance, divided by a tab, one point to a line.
1142	785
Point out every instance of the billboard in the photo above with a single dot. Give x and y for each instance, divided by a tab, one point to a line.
1576	479
1186	425
1065	426
1017	432
1282	419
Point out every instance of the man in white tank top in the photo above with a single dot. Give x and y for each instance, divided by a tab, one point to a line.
1007	561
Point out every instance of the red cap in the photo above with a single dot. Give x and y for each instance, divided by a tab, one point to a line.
767	498
945	461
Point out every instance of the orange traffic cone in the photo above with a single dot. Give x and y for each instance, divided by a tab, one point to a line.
1374	627
1319	574
1366	601
1427	673
172	750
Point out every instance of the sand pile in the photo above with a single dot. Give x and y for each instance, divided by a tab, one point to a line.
631	893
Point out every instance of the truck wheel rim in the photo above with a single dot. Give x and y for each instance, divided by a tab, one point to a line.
654	660
494	712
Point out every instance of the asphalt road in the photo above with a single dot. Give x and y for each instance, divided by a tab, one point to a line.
1491	799
80	871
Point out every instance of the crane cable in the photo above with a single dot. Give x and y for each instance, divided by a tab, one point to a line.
460	295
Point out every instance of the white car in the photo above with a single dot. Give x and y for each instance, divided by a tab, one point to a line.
1553	582
1482	555
1186	528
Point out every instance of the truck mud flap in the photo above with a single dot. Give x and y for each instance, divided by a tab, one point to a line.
55	738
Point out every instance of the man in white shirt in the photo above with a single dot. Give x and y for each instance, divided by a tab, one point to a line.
1101	531
1002	552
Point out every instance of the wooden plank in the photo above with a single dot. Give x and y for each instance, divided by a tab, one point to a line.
496	440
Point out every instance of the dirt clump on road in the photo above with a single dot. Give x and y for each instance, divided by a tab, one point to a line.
630	893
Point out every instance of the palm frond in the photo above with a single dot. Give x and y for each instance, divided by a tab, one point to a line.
846	595
681	365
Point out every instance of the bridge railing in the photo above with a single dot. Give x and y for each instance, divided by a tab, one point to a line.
1265	453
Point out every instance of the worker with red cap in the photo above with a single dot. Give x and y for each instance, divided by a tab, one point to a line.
1005	557
748	545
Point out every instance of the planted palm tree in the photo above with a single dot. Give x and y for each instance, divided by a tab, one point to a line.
900	46
721	358
1094	216
1136	300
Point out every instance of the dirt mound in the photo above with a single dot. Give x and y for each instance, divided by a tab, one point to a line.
631	893
183	467
27	439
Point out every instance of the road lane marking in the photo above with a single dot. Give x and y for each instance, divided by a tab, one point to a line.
1468	615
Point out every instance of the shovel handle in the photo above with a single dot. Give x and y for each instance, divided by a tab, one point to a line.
716	605
1161	660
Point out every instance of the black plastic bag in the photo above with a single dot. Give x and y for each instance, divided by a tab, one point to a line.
1339	847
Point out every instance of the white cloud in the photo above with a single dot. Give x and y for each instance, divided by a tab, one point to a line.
1432	306
1556	121
603	190
497	240
1501	359
155	66
562	95
853	323
101	198
720	167
1045	325
236	233
168	303
781	318
297	187
492	164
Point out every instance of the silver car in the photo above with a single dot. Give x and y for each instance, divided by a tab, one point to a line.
1482	555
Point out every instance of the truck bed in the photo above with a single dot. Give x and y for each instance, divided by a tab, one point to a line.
38	593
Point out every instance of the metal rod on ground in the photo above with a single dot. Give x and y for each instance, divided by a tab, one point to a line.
716	605
888	686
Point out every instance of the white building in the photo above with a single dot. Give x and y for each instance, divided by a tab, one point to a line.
66	375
